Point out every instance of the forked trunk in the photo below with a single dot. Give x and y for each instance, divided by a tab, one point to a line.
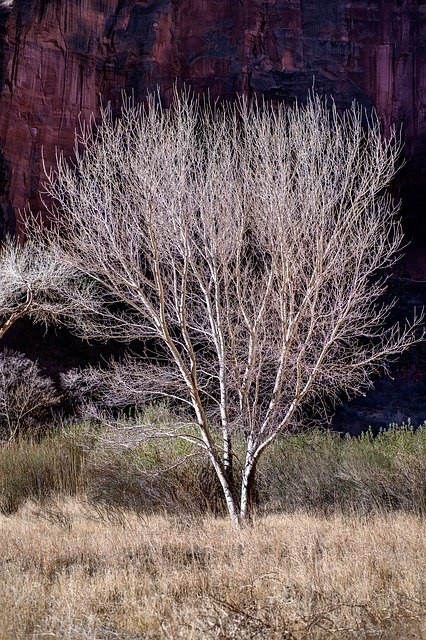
247	495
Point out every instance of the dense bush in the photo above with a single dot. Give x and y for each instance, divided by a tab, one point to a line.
157	477
318	471
325	471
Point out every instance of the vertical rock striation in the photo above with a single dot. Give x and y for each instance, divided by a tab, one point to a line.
57	58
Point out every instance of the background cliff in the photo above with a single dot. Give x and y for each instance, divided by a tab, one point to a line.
59	57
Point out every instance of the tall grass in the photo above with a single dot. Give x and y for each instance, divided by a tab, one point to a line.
316	471
40	469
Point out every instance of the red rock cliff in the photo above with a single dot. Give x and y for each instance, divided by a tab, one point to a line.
58	57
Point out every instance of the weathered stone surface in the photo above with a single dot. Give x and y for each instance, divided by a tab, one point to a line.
59	57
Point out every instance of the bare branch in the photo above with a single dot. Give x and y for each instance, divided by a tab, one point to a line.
247	242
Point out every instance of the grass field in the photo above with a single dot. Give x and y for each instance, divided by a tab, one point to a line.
72	571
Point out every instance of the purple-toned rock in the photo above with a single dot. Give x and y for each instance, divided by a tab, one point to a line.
58	58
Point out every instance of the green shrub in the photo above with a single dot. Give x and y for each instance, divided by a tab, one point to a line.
324	471
316	470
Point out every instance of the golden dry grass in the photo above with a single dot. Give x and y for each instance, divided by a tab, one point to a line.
72	572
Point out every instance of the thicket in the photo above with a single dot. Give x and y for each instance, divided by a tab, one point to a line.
318	471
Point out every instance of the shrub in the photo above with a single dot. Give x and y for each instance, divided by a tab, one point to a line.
36	470
323	471
83	387
315	471
26	396
170	475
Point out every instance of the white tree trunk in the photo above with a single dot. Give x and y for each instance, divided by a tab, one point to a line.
227	492
247	483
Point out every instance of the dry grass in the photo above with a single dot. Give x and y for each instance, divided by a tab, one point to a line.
70	571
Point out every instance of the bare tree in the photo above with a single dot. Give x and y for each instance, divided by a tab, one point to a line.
248	241
34	284
26	396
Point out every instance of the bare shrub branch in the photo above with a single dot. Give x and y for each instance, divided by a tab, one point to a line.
34	284
26	396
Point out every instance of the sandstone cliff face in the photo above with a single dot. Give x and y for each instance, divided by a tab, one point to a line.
59	57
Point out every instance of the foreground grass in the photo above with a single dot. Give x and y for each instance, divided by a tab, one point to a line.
72	571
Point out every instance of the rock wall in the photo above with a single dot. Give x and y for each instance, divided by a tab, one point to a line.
58	58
